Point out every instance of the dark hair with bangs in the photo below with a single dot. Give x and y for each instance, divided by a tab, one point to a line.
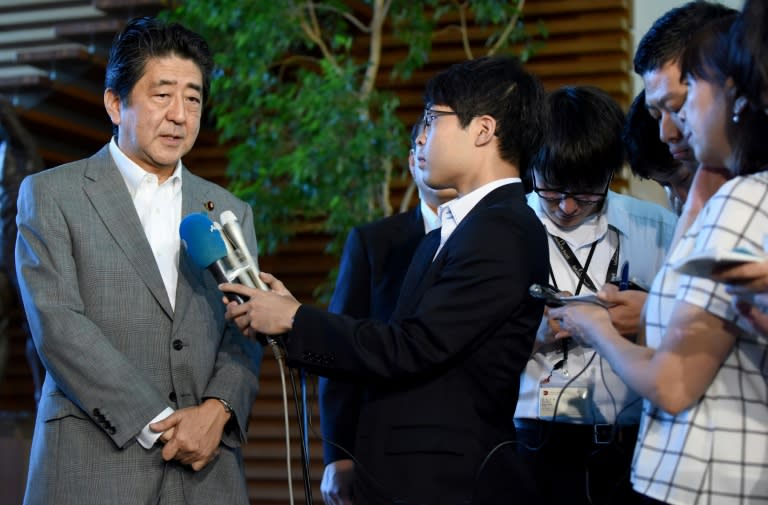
581	145
499	87
747	53
145	38
726	50
706	57
748	67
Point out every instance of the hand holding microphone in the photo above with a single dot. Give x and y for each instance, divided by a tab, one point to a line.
206	248
271	313
227	257
221	249
265	314
242	256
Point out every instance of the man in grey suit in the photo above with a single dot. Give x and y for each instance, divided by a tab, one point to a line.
129	331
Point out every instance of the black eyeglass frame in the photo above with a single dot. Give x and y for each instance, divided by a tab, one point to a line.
430	115
557	195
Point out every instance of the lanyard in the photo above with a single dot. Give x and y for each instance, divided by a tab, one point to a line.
581	272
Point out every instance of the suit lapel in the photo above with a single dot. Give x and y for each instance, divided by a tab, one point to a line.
423	269
501	195
417	271
193	200
112	201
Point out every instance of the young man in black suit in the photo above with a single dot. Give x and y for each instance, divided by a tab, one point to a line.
442	375
374	262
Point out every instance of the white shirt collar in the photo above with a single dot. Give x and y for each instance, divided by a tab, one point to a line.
461	206
133	174
429	216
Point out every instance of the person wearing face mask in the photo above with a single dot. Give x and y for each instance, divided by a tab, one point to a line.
704	431
585	442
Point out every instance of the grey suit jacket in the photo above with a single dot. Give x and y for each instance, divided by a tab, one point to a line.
115	352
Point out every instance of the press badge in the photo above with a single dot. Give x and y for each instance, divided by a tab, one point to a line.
574	402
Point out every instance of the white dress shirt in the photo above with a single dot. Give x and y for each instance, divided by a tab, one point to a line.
645	231
159	210
429	216
453	212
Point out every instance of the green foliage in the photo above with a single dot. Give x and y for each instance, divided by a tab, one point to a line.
313	140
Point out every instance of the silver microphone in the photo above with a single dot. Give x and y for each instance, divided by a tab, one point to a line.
234	234
238	270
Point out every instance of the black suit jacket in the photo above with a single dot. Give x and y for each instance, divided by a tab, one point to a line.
442	377
374	262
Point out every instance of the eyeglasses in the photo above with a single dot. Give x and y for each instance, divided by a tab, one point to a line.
557	195
430	115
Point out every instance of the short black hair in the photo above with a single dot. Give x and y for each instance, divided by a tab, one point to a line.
648	156
145	38
497	86
669	35
581	145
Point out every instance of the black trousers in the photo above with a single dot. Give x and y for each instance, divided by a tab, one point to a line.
579	464
425	479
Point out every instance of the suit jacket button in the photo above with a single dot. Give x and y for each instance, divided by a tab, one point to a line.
96	412
112	430
172	396
178	345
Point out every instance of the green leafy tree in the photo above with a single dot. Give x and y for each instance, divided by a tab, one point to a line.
313	141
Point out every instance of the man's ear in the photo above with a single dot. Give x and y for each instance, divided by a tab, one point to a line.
486	129
113	105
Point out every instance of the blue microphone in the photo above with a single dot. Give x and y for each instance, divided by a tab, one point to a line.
206	248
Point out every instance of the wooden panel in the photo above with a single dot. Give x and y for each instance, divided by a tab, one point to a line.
589	43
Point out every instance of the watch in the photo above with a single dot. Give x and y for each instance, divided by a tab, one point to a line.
227	407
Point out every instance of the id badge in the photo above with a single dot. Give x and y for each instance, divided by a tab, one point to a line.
572	402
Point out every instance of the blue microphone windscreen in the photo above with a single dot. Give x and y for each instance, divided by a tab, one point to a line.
202	240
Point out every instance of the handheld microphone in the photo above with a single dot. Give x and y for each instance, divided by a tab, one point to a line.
237	268
234	233
206	248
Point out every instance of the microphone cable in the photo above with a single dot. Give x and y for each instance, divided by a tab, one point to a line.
280	358
543	441
613	444
359	466
304	439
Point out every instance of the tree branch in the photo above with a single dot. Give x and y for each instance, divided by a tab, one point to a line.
509	28
291	60
314	34
380	11
346	15
462	7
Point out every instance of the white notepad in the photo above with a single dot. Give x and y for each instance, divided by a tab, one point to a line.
702	264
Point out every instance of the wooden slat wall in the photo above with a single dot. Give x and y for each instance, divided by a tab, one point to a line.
589	43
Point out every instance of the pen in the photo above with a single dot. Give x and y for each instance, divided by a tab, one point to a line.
624	281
